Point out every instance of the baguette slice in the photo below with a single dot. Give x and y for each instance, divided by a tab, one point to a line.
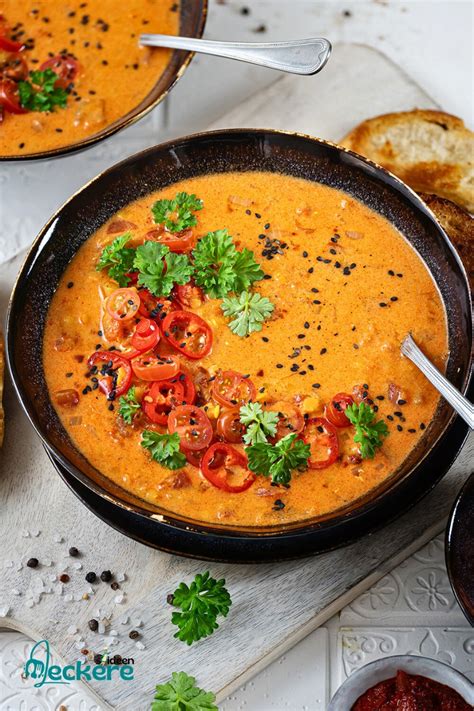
2	421
431	151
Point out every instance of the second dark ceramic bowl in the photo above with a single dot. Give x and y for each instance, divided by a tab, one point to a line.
217	152
459	547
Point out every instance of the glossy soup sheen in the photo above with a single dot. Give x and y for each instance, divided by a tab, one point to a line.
115	74
342	307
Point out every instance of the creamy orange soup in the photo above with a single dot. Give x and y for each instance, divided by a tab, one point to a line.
346	288
113	74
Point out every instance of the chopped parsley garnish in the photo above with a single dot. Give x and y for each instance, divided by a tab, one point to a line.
150	260
164	448
177	214
39	93
368	433
248	310
260	423
118	259
129	406
182	694
220	268
279	460
201	604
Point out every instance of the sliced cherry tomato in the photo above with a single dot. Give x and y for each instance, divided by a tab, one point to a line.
65	66
146	335
189	295
113	371
194	456
161	398
334	412
222	465
229	426
290	420
123	304
9	98
153	307
321	435
230	389
188	333
188	386
8	44
178	242
192	425
13	66
152	367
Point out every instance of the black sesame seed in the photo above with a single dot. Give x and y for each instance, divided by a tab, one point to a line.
316	385
422	426
323	351
278	505
70	284
399	428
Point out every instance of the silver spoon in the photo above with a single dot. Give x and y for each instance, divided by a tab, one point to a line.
306	56
462	406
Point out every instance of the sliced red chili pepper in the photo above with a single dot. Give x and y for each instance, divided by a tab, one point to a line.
192	425
290	420
188	385
335	410
123	304
9	98
10	45
113	372
188	333
230	388
65	66
161	398
194	456
189	295
321	435
153	307
13	66
229	426
152	367
146	335
178	242
222	465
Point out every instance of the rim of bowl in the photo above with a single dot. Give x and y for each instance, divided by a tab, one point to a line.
449	551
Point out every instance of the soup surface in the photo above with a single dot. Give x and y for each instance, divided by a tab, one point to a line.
93	47
336	289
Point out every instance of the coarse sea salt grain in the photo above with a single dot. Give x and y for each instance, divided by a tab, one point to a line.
52	578
15	591
4	611
77	565
8	564
120	577
25	533
101	628
35	532
29	603
137	622
113	633
118	599
19	566
140	645
68	597
57	538
124	621
72	629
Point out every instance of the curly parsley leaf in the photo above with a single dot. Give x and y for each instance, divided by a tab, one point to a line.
214	258
118	259
164	448
177	214
279	460
201	604
249	312
39	93
150	260
368	432
246	270
182	694
260	423
129	406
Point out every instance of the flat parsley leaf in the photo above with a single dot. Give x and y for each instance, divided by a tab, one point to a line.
177	214
278	460
118	259
129	406
368	433
182	694
164	448
201	603
40	94
150	260
249	312
260	423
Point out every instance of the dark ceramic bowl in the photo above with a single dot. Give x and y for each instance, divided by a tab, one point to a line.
192	20
221	151
460	549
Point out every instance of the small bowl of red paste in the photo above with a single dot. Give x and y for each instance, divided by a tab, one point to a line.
405	683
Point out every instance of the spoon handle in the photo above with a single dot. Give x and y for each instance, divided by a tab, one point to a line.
462	406
306	56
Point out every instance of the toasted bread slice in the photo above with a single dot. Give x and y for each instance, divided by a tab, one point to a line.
431	151
459	226
1	389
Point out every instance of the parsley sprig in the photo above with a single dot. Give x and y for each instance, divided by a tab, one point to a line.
39	92
201	604
159	269
129	406
368	432
118	259
260	423
279	460
248	312
177	214
182	694
164	448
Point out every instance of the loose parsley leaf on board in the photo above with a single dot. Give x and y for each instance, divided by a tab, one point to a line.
164	448
249	312
177	214
201	604
118	259
39	93
182	694
150	260
129	406
260	423
368	433
278	460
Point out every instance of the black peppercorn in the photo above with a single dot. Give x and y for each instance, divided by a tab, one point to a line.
73	551
32	563
91	577
114	586
106	576
134	634
170	599
93	625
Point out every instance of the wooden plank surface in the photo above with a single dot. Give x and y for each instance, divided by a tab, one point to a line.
274	605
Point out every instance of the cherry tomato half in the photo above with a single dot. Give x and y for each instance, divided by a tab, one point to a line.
65	66
113	371
152	367
8	44
9	98
194	456
229	426
223	465
192	425
290	419
146	335
178	242
230	389
161	398
334	411
321	435
189	295
153	307
13	65
123	304
188	333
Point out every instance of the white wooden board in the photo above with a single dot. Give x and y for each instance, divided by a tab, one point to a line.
274	605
